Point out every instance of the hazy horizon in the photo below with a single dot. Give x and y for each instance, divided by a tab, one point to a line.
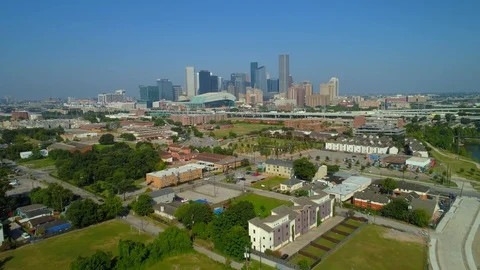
81	49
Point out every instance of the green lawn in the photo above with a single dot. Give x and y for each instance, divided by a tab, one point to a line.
314	251
59	251
335	235
456	165
269	182
39	163
326	243
258	201
345	229
368	249
241	129
100	147
299	257
191	261
354	222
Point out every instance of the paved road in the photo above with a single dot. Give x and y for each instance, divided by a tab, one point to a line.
42	175
452	232
149	227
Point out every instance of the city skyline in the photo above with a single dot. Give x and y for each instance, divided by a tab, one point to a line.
371	47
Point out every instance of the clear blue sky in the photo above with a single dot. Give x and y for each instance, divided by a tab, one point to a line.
81	48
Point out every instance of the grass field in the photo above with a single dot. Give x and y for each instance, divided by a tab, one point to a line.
315	251
269	182
345	229
241	129
299	257
335	235
368	249
258	201
326	243
58	252
458	166
191	261
39	163
354	222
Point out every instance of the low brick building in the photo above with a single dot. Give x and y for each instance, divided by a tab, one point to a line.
370	199
180	152
217	162
174	176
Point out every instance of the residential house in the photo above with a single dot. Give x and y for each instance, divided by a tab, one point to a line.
164	195
276	167
167	210
174	176
27	216
287	223
166	157
71	147
216	162
55	226
362	145
419	163
33	223
27	154
291	184
21	211
430	206
408	187
180	152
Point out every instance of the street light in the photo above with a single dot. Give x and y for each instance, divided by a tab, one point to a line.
246	255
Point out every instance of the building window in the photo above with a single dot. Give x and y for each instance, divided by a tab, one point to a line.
264	238
278	230
286	225
270	239
253	231
254	240
279	238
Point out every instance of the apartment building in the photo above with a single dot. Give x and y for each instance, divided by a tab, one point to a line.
216	162
287	223
362	146
276	167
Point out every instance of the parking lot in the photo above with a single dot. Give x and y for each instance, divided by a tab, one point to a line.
209	192
24	186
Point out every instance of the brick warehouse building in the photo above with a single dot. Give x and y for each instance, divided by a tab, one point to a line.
174	176
370	199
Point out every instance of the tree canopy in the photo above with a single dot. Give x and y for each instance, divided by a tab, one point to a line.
54	196
143	205
193	213
304	169
106	139
388	185
128	137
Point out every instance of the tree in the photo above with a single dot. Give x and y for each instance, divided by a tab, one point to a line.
4	187
106	139
397	208
436	117
128	137
83	213
112	207
192	213
465	121
131	254
54	196
143	205
98	261
235	242
448	117
171	242
388	185
300	193
333	168
420	218
304	169
303	264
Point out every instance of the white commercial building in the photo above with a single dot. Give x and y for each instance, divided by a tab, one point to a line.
347	188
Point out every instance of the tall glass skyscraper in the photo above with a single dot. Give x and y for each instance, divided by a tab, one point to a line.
283	72
253	73
213	83
272	85
190	81
240	83
261	79
165	89
205	82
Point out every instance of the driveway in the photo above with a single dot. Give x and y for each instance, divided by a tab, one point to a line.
305	239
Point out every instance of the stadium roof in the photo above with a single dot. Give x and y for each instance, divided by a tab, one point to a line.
212	97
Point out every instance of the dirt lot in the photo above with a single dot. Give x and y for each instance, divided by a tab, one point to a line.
213	194
403	236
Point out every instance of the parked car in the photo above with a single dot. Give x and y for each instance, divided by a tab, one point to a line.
284	256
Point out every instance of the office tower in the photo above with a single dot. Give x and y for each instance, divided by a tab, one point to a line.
197	82
231	89
225	84
220	83
327	89
283	72
177	91
213	83
240	83
148	93
261	79
190	79
205	82
290	80
165	89
335	83
118	96
272	85
253	74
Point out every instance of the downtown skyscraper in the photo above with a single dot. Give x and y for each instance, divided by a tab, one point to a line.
283	72
190	81
204	82
253	73
261	79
